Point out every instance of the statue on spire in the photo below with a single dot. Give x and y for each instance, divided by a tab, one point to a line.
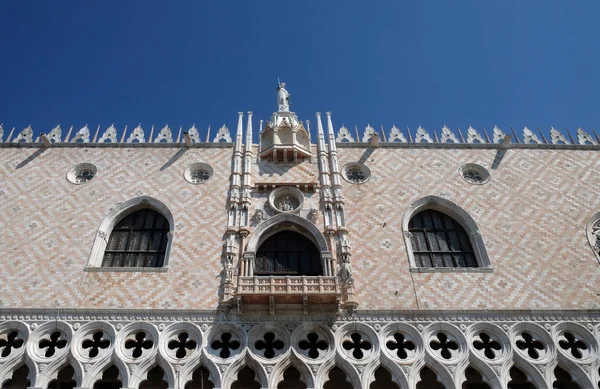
283	97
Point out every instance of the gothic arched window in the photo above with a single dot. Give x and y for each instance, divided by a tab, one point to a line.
288	253
138	240
440	241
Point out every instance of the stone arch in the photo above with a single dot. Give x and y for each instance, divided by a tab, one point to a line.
575	371
7	370
140	373
455	212
398	376
287	221
340	361
529	370
273	225
187	371
442	373
482	368
98	369
292	360
231	374
120	211
50	373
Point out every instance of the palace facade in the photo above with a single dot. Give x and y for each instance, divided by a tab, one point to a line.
387	259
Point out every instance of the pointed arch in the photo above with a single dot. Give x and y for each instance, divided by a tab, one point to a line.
187	371
284	221
574	370
14	368
441	372
98	369
292	361
530	372
51	371
118	213
231	374
369	376
459	215
487	373
140	373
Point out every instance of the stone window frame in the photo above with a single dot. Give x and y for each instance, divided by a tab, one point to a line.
461	217
289	222
115	215
591	237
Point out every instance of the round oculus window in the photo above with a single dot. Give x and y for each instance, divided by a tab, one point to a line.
356	173
82	173
198	173
474	174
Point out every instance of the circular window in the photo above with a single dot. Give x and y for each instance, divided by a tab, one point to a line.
82	173
474	174
356	173
198	173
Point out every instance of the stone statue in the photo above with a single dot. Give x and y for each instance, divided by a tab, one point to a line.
229	268
283	98
286	204
346	270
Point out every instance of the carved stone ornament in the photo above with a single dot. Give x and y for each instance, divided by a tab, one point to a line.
286	199
473	135
109	135
422	135
498	135
313	215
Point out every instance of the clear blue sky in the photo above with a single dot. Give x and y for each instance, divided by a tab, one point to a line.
521	63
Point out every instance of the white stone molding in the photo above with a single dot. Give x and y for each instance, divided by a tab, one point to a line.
86	332
223	135
580	334
344	135
1	135
26	135
357	334
593	234
498	135
82	135
584	138
474	135
449	332
194	134
55	135
396	135
556	137
187	370
16	358
137	135
529	136
171	334
109	135
257	334
165	134
496	334
324	334
96	370
459	215
115	215
448	135
230	375
368	133
519	333
422	135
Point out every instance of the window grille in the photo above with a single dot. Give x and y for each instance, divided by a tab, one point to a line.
440	241
288	253
139	240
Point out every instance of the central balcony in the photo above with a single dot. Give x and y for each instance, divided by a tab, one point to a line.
289	290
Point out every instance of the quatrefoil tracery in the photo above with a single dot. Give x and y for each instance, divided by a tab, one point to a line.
573	344
12	341
95	344
182	345
226	344
313	345
486	343
530	344
401	344
52	343
269	344
138	345
357	344
443	344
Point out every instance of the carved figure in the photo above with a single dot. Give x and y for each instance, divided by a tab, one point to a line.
346	270
286	204
229	268
313	215
283	98
259	216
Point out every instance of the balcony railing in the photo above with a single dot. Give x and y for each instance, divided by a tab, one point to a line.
288	285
